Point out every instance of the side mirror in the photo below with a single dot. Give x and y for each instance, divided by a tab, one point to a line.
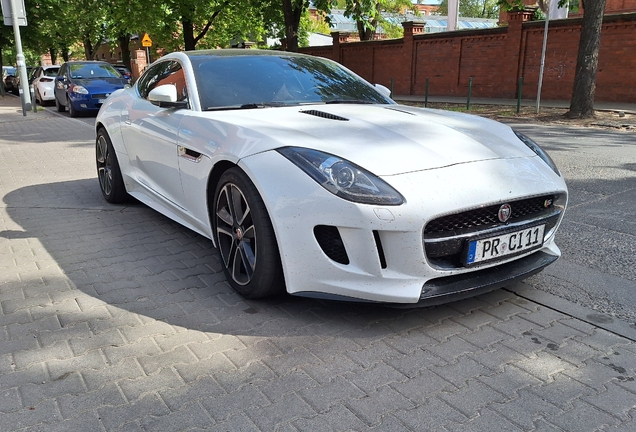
166	96
383	90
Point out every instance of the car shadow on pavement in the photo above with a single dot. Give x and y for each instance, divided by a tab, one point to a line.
120	259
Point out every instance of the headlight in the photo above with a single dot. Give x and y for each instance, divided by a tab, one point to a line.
539	151
343	178
79	89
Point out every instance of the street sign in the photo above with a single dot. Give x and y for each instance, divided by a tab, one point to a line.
146	41
20	12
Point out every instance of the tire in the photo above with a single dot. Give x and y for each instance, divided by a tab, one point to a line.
71	110
247	244
59	106
108	172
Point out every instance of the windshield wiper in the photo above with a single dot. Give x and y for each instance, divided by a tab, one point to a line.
248	106
230	107
349	101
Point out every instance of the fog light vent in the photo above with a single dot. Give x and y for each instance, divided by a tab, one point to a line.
330	242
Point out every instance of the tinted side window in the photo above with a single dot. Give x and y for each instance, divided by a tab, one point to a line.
167	72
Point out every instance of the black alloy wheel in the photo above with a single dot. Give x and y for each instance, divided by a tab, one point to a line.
245	237
108	172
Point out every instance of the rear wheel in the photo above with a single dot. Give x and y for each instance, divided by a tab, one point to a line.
108	171
245	237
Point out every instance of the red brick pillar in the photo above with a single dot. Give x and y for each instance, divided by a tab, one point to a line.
338	38
405	72
514	50
138	63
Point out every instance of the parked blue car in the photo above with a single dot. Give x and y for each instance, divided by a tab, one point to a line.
83	86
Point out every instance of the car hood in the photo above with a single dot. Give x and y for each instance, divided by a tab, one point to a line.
101	84
385	139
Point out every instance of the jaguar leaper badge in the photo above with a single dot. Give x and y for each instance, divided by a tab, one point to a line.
505	211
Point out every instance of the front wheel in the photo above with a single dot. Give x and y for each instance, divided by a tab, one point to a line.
108	171
59	106
245	237
71	109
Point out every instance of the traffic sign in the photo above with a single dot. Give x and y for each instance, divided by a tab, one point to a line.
17	9
146	41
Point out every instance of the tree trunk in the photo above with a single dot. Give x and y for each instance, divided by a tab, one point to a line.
53	55
364	32
124	41
582	103
188	34
64	49
88	48
292	10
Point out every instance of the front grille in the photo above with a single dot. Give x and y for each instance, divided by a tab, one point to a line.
445	238
330	242
100	96
487	216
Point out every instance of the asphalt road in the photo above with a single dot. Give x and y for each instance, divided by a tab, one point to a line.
598	233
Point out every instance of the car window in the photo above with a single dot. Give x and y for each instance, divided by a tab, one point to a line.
276	79
51	72
166	72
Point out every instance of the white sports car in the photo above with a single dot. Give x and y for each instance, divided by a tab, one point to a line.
311	180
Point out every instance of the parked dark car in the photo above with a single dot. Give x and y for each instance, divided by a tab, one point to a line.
83	86
8	73
12	80
123	70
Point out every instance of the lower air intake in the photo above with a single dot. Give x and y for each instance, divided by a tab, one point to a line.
330	242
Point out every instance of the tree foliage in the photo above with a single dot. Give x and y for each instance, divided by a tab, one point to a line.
473	8
369	14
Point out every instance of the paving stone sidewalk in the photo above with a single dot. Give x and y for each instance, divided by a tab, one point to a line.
114	318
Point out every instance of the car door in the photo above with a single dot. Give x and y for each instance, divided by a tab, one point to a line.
151	133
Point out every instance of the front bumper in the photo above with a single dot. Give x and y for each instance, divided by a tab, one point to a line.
86	102
386	259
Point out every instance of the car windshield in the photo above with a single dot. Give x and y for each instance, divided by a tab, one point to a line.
253	81
90	70
51	72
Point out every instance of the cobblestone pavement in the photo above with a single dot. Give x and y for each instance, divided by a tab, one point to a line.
114	318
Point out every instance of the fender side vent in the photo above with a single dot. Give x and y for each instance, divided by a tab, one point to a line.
324	115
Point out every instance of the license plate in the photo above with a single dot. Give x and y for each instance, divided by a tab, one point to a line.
492	248
101	101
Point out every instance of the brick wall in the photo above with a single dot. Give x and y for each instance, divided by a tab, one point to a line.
495	59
